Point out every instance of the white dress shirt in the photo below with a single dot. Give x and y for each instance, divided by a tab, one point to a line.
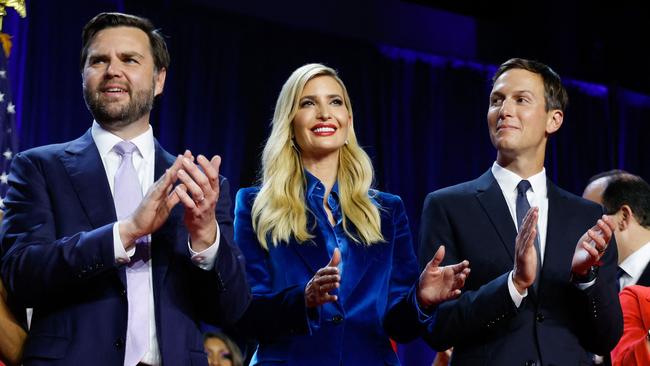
144	163
634	266
537	197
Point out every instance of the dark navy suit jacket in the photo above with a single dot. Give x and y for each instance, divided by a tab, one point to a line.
57	240
377	294
557	322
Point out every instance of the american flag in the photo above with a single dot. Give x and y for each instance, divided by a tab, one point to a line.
8	138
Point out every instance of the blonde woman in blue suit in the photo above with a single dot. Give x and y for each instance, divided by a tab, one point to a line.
330	261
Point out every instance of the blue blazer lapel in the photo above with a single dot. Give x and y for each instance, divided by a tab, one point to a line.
314	256
357	265
491	199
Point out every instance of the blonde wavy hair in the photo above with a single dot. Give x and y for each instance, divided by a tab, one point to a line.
279	211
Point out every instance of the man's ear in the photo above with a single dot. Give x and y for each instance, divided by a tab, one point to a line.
160	81
555	121
626	217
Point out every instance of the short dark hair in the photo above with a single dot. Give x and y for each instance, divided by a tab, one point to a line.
110	20
632	190
555	95
607	174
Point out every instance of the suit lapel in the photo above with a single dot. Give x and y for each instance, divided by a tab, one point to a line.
312	255
356	264
164	239
494	204
84	166
555	255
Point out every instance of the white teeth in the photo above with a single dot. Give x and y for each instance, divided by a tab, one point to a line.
115	90
324	129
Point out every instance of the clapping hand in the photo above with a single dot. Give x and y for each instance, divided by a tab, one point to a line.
592	245
325	280
199	193
154	208
438	284
524	271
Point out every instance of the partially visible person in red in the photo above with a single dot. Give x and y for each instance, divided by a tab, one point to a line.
443	357
634	346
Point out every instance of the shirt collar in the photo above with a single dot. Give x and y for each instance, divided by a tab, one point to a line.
105	140
314	183
508	180
636	262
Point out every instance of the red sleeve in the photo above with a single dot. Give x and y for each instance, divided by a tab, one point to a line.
633	347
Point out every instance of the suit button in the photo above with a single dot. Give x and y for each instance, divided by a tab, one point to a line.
119	343
540	317
337	319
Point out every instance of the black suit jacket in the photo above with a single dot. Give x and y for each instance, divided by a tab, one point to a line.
557	323
57	239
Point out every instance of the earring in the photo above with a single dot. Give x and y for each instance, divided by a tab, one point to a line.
294	145
346	142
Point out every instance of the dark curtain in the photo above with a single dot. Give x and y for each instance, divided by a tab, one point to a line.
422	118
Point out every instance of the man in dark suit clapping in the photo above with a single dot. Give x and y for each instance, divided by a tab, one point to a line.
542	289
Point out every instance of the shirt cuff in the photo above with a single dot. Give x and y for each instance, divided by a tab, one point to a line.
121	255
517	298
205	259
584	286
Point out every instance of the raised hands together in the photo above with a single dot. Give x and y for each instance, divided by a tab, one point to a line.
198	191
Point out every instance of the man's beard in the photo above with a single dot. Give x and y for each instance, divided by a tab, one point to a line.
140	104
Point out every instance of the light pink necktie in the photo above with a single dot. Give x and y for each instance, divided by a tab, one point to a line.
127	197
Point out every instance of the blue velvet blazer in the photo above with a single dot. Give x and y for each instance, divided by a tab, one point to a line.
377	294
